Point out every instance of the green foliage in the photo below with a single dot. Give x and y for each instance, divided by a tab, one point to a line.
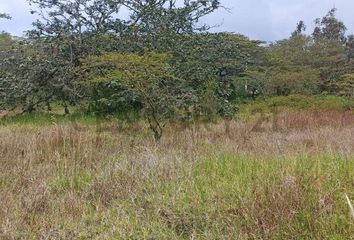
70	31
345	85
71	28
329	50
213	66
160	61
330	28
39	80
154	25
320	59
292	51
6	42
199	78
287	80
296	103
146	79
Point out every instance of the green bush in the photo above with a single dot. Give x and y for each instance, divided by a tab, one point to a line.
296	103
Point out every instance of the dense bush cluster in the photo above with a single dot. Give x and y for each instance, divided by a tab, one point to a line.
162	62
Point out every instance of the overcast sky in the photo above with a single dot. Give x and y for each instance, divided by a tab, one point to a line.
267	20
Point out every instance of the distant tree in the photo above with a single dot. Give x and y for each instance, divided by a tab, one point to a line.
329	50
289	79
300	28
4	16
330	28
290	69
295	50
311	64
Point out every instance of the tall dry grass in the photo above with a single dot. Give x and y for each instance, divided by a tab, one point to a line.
72	181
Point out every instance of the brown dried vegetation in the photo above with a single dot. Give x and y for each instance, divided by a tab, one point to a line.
73	181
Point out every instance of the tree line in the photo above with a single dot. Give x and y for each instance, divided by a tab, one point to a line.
162	61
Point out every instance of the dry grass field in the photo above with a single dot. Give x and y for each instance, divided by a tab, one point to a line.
278	177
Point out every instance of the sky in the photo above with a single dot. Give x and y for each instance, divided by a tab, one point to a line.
267	20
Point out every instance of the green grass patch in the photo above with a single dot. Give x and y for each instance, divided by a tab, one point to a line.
48	118
44	118
73	181
238	197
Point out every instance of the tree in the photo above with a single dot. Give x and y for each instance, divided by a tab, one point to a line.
289	79
51	54
5	16
30	78
68	31
149	15
324	56
154	24
329	50
290	69
149	79
300	28
296	49
212	65
330	28
70	26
